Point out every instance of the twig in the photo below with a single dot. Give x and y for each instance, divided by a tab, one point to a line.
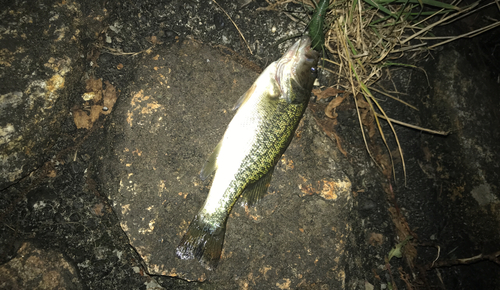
469	34
439	22
409	47
330	61
494	257
392	97
241	34
437	257
413	126
469	13
117	52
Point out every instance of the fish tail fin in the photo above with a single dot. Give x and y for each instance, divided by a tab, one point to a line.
203	243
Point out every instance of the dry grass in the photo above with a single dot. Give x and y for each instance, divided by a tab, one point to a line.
366	36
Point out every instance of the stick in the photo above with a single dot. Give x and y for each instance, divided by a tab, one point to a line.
241	34
413	126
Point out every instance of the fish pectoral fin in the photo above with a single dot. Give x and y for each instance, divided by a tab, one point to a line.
245	97
202	243
257	190
211	163
297	95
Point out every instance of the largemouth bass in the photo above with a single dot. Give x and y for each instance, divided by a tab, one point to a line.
244	160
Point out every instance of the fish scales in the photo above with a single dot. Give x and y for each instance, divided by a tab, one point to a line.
254	141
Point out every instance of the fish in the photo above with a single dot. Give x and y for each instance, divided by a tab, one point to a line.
243	161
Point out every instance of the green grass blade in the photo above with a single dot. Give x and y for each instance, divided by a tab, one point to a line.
380	7
433	3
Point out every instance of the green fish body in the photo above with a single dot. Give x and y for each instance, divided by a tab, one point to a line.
268	114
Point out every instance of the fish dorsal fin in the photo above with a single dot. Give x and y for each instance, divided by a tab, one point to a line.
211	163
257	190
245	97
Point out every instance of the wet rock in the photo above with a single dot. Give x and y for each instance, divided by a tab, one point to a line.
176	113
35	268
311	231
40	62
457	175
448	200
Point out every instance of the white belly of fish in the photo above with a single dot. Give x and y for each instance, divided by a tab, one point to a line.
237	143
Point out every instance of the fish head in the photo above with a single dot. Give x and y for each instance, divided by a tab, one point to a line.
304	59
297	66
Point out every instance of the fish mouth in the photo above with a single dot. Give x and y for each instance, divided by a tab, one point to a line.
302	49
299	47
299	59
305	48
305	42
311	55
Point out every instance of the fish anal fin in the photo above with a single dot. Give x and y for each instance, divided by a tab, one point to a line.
211	163
257	190
202	243
245	97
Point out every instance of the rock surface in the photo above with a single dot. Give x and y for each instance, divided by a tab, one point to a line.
109	109
176	112
38	269
40	65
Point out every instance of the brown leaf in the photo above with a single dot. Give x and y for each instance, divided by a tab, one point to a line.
376	239
86	118
326	93
98	209
153	39
384	160
81	119
52	173
366	115
332	105
109	96
94	85
327	125
362	102
331	115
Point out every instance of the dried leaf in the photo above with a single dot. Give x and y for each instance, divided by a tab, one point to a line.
82	119
326	93
109	96
397	250
362	103
376	239
153	39
98	209
94	106
332	105
94	85
368	120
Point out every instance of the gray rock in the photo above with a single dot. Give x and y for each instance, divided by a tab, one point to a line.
175	114
39	66
36	268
